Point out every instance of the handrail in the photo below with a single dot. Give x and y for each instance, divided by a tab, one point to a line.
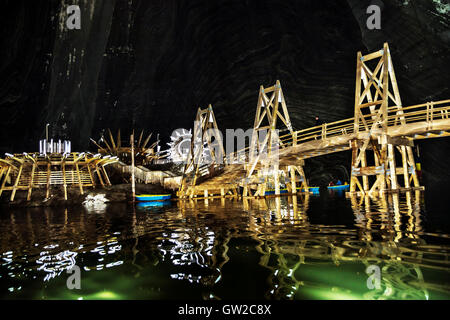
396	116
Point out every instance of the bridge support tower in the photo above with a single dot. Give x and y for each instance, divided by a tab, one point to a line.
263	169
205	157
377	106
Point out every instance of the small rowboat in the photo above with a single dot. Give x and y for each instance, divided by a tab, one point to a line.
314	190
153	197
153	204
341	187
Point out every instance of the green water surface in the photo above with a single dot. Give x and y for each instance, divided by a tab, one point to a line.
304	247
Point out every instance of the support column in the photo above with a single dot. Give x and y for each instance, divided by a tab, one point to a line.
90	175
5	179
293	182
47	194
412	163
79	178
392	167
276	179
405	167
13	194
99	176
30	186
364	178
353	179
63	165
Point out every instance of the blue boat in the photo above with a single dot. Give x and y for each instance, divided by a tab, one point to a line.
153	197
153	204
314	190
342	187
269	192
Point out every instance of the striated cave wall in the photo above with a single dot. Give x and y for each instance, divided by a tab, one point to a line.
150	64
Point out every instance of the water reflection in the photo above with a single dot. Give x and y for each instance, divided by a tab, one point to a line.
279	248
399	251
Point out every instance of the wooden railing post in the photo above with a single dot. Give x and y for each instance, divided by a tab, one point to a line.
431	110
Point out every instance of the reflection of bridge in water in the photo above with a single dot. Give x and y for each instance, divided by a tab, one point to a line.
201	239
380	135
292	248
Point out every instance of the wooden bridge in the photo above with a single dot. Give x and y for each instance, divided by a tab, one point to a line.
380	135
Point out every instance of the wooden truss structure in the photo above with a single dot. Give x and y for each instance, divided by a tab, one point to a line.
29	171
205	156
143	152
263	168
377	95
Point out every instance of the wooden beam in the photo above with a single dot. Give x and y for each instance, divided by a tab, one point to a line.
30	186
5	179
16	184
63	167
396	141
80	183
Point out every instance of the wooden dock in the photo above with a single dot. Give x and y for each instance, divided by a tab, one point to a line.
29	171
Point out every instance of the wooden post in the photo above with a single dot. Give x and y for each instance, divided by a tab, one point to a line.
357	92
13	194
47	194
90	175
1	175
30	187
413	164
302	174
364	164
79	178
108	182
354	156
63	165
276	179
392	167
405	167
99	175
293	184
133	183
5	179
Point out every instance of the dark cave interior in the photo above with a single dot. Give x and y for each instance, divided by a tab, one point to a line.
150	64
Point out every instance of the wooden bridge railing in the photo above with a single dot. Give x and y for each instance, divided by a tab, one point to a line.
427	112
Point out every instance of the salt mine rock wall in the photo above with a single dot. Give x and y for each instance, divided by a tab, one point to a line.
151	64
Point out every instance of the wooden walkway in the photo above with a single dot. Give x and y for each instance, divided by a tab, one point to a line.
381	127
31	171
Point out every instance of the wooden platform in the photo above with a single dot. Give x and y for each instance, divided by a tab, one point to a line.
28	171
